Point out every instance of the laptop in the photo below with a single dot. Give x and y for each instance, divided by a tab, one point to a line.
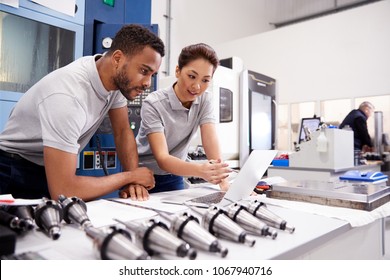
241	187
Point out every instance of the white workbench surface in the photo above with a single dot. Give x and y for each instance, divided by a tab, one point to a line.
315	237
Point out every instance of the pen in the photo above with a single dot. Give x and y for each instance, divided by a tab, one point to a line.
141	206
7	200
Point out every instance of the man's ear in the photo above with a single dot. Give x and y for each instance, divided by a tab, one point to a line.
116	57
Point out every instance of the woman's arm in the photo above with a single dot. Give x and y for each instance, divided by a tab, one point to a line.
212	172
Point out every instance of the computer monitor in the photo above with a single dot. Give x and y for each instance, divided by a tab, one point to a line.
311	123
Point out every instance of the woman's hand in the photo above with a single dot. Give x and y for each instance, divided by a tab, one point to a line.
224	185
214	171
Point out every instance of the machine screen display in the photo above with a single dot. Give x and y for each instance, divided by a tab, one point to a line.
30	49
260	121
311	123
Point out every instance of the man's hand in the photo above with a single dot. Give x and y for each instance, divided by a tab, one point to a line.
142	176
367	149
135	192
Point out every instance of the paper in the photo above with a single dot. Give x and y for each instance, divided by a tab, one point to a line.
274	180
102	213
64	6
12	3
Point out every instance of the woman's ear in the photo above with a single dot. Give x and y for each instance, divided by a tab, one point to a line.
177	72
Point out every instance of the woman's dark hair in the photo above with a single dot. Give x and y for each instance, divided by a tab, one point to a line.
133	38
196	51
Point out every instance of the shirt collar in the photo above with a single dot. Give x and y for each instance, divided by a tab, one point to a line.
96	82
175	102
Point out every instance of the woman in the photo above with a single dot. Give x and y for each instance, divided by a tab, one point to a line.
170	119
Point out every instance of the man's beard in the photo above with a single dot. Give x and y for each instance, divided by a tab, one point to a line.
123	84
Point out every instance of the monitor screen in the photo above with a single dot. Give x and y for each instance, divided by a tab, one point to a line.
311	123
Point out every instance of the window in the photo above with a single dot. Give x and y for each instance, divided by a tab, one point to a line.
30	49
334	111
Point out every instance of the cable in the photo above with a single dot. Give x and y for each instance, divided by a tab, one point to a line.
102	157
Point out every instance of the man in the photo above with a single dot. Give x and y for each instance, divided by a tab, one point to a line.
357	120
55	119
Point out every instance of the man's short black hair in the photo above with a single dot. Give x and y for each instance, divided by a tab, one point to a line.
133	38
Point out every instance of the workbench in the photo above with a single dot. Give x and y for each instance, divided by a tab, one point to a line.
320	174
316	236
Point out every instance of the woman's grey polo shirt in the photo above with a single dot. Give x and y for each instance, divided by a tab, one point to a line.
163	112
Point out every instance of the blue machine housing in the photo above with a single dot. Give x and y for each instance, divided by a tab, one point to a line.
123	12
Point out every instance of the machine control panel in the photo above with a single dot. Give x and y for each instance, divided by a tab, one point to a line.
134	109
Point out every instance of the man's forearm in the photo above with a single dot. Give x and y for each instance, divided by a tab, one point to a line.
127	151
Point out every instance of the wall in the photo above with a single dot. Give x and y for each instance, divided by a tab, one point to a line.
210	22
343	55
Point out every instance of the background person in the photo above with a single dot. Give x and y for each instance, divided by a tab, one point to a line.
357	120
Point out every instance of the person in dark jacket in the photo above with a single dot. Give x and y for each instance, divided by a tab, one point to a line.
357	120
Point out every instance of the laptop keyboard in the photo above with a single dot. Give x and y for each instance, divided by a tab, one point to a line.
196	180
211	198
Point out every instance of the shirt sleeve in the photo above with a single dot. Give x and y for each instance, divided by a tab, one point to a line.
62	119
119	102
207	114
151	119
